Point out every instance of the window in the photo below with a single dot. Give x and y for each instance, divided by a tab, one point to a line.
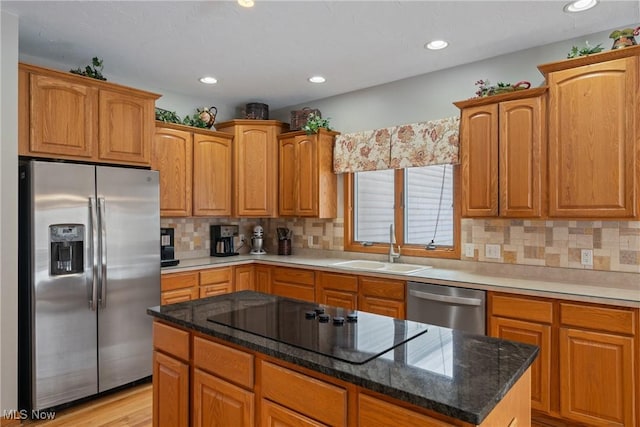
420	203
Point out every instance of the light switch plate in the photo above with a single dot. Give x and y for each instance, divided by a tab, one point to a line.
310	241
469	250
492	251
586	257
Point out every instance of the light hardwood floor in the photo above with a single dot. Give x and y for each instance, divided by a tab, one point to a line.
127	408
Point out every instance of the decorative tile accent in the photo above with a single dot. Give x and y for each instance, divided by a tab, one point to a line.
615	244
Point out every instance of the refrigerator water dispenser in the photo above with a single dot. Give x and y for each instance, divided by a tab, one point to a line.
67	249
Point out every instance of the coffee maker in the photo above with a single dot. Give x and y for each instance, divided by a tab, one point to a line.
222	239
167	250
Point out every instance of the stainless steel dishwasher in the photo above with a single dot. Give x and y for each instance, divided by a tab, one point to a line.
448	306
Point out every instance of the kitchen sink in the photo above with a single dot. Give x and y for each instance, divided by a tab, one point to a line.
382	267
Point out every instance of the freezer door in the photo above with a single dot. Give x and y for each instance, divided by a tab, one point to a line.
63	324
129	210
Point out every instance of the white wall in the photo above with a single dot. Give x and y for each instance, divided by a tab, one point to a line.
430	96
8	211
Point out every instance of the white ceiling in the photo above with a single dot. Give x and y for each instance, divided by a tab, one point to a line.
266	53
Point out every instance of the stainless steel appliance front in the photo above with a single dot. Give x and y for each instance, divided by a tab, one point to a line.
448	306
86	328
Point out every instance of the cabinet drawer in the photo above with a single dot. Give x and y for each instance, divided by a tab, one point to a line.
521	308
340	282
179	295
374	412
309	396
384	288
213	290
607	319
171	340
225	362
294	275
217	275
173	281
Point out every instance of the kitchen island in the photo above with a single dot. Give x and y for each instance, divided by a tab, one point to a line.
249	358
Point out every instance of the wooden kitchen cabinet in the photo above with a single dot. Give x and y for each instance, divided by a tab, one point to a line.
212	175
382	296
274	415
255	166
67	116
195	170
529	321
170	376
263	278
293	283
585	371
172	157
593	135
598	365
219	403
336	289
216	281
502	149
244	278
178	287
307	185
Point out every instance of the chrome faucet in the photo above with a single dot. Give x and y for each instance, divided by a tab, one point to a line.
392	241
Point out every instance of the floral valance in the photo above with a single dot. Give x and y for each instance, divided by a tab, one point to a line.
433	142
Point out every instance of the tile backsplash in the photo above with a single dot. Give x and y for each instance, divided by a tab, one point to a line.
615	245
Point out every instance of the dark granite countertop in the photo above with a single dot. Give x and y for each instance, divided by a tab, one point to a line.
457	374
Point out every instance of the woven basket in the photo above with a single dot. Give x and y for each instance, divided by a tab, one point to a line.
299	117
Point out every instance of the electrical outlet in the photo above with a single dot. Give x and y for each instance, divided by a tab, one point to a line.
586	257
310	241
241	237
469	250
492	251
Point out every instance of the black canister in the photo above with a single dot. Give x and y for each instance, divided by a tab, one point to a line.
257	110
284	247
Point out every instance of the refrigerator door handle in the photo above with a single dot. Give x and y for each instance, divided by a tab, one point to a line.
93	250
103	252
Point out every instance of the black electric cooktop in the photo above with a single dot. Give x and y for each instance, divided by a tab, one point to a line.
351	336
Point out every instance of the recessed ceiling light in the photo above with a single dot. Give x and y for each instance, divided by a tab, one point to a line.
209	80
579	5
317	79
436	45
246	3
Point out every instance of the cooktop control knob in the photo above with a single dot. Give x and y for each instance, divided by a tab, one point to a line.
319	310
310	315
323	318
352	317
338	320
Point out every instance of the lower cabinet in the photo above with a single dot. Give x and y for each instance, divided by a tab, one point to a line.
219	403
216	281
585	371
178	287
338	290
295	283
274	415
244	278
382	296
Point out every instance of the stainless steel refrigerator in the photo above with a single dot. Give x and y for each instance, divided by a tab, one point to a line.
89	267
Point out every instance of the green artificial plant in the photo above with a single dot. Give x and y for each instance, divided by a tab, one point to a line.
94	70
315	122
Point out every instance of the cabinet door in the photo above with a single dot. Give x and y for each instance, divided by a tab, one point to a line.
521	157
287	188
535	334
127	124
596	378
307	175
244	278
385	307
219	403
211	175
293	283
263	279
274	415
171	155
63	118
592	140
339	298
479	158
373	412
256	161
170	391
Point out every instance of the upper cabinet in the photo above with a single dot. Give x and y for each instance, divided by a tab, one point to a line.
593	137
307	185
66	116
255	166
195	170
502	147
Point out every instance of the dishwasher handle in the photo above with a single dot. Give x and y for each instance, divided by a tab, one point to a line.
445	298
